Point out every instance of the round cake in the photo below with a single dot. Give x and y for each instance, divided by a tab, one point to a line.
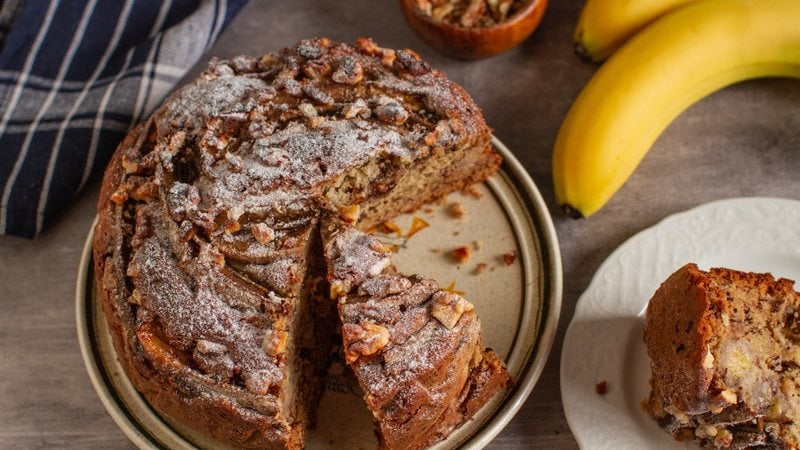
208	254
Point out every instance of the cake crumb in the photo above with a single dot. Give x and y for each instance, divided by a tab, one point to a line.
478	245
457	210
479	268
601	388
436	250
417	225
462	254
472	191
393	248
452	288
510	257
429	210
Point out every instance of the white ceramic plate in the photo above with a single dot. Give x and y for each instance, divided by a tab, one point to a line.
604	339
518	305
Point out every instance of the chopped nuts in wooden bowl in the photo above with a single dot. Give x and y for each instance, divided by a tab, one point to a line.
473	29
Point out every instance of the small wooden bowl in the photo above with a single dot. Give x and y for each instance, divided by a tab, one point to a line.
478	42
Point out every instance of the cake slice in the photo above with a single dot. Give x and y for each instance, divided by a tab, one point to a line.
415	349
725	364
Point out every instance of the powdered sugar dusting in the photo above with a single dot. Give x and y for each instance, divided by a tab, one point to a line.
187	313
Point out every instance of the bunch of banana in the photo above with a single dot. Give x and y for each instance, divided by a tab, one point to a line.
672	63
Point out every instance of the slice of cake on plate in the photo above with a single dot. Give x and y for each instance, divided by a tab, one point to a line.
724	358
415	348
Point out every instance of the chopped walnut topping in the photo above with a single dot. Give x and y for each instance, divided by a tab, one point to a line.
448	307
349	71
357	108
431	138
409	61
337	289
363	339
729	396
391	111
317	95
232	225
479	268
350	214
307	109
368	47
135	298
723	439
263	233
182	200
308	50
120	196
417	225
462	254
275	342
244	63
129	166
510	257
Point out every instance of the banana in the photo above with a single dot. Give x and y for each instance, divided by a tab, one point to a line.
679	59
604	25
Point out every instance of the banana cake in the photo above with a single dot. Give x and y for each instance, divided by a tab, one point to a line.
725	364
207	252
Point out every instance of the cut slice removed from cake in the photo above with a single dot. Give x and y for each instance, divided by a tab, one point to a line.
724	360
415	349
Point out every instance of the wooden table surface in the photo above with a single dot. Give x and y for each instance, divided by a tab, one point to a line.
742	141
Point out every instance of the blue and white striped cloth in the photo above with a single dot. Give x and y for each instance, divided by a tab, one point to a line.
75	75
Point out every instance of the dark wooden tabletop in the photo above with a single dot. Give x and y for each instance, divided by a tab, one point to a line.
742	141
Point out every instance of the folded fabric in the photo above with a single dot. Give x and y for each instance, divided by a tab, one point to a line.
74	76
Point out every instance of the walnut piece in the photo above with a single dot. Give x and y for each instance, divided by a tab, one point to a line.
275	342
462	254
349	71
350	214
363	339
263	233
448	308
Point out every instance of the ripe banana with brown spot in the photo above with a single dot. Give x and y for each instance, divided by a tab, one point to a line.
676	61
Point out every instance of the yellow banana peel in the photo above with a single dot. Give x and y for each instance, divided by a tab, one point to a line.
604	25
676	61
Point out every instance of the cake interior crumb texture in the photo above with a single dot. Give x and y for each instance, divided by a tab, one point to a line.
724	358
208	250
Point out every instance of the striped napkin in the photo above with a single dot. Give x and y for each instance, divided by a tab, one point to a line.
74	76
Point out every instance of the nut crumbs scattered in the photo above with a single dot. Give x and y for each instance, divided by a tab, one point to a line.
462	254
479	268
510	257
